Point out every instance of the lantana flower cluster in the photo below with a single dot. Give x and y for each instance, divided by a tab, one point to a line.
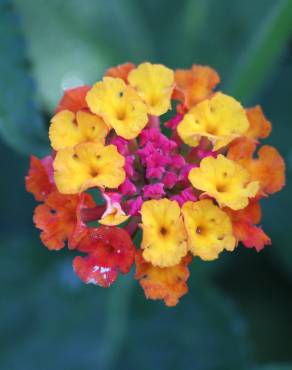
189	183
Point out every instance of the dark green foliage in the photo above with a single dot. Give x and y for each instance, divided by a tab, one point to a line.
21	122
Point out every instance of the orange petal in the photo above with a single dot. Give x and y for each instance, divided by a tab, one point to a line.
244	226
39	180
268	168
259	126
59	219
121	71
167	283
241	149
195	85
74	99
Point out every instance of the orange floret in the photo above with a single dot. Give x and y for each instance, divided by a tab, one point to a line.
168	284
39	180
194	85
74	99
121	71
59	219
244	226
268	168
259	126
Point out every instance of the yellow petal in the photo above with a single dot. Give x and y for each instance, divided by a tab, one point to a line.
220	119
164	235
154	83
225	180
63	131
67	130
88	165
209	229
119	105
113	219
113	215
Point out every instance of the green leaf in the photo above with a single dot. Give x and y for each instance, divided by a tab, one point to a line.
81	41
203	332
265	49
21	124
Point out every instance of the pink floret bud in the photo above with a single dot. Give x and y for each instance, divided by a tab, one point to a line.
169	179
154	191
133	206
121	144
127	188
186	195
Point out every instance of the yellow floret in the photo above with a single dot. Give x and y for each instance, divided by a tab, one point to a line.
220	119
119	105
113	215
67	130
154	83
209	229
113	219
225	180
164	235
88	165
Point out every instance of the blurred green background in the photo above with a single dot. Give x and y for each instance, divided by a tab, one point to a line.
238	314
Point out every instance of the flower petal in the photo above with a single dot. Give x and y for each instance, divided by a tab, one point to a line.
167	283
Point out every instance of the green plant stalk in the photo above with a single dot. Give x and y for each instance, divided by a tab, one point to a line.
118	307
264	51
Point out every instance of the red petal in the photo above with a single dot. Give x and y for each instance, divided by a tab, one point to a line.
39	180
244	226
121	71
74	99
111	246
89	271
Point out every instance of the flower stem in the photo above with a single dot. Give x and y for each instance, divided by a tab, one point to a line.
118	307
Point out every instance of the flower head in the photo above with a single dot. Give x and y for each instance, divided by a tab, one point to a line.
187	188
209	229
88	165
119	105
164	237
225	180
